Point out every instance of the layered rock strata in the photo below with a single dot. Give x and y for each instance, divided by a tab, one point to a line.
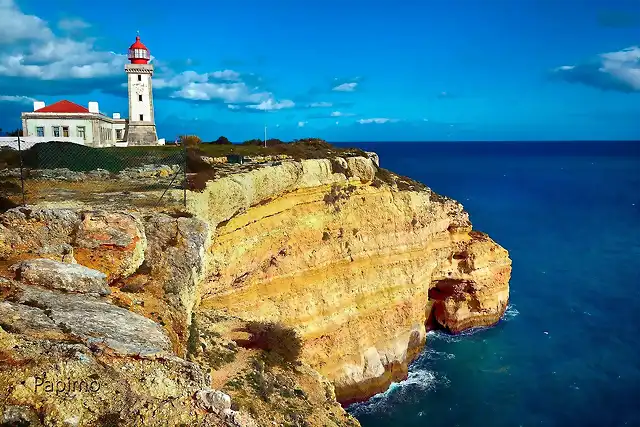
360	267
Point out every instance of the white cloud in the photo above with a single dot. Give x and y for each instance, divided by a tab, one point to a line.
341	114
346	87
227	92
618	71
17	26
32	50
623	65
320	104
195	86
272	105
20	99
29	49
229	75
380	120
72	24
301	124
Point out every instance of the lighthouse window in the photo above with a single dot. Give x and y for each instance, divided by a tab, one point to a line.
65	131
40	131
56	131
81	132
139	97
141	117
139	77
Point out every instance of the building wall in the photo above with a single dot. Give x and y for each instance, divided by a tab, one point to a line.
49	122
120	125
100	131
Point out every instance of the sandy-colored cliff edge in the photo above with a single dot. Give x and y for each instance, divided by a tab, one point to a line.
360	262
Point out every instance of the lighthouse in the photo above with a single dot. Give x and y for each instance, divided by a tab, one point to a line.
141	129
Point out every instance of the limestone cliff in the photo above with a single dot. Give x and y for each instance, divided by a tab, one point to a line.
360	262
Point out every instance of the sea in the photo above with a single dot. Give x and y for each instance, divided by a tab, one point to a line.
567	352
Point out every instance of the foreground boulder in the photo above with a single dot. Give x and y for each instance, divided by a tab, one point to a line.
113	243
62	276
91	320
110	242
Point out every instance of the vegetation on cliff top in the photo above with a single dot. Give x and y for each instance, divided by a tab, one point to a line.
81	158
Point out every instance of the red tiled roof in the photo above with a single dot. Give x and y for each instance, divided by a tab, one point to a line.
63	106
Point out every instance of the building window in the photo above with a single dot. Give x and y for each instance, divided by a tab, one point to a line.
118	134
81	132
141	118
139	77
40	131
139	97
56	131
65	131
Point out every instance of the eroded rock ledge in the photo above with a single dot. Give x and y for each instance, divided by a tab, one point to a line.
359	261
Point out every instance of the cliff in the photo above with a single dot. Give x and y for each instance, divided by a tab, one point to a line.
358	261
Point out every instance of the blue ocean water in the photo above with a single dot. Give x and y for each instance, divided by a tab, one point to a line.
568	351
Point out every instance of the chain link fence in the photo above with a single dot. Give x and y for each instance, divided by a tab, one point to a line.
61	173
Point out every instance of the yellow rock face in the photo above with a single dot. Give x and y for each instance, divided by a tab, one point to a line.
361	271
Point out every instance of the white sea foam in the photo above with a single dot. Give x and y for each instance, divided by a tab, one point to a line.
420	380
417	383
432	354
510	313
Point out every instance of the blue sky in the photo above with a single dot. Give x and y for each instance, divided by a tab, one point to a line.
343	70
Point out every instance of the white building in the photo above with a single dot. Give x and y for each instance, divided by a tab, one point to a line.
67	121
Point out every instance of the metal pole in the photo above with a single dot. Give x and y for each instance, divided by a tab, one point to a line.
21	169
184	172
265	137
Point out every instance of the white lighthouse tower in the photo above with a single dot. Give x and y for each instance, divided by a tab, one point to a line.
141	129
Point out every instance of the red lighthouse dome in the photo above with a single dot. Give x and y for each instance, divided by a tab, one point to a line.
138	53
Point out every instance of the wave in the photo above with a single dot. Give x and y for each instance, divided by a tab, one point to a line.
420	379
417	383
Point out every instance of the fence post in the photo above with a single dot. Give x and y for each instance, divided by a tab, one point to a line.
21	170
184	171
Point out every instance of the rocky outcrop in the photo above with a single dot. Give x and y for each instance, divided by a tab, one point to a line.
471	289
92	320
60	275
110	242
360	262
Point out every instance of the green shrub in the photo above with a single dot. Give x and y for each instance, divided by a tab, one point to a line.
190	140
275	338
223	140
